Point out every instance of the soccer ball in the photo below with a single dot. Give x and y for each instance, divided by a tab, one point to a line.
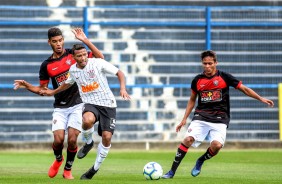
152	171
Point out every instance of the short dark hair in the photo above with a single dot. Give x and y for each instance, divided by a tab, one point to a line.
77	47
208	53
54	31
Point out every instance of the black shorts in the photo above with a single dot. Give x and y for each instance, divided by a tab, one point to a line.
105	115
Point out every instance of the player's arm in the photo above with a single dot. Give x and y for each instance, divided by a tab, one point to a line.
23	84
251	93
189	108
123	92
49	92
79	34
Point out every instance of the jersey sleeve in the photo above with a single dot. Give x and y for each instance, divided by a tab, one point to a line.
108	67
231	80
43	74
194	86
71	78
90	55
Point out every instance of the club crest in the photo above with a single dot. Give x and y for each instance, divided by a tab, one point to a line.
215	82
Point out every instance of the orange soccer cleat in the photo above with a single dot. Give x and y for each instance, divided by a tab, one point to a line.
67	175
53	170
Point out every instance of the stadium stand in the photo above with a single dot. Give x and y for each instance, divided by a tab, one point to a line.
150	54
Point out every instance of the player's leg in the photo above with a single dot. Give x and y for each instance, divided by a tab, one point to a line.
194	136
102	152
180	154
73	128
58	128
107	126
71	152
217	135
88	120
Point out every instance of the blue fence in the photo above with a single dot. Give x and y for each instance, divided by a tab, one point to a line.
208	22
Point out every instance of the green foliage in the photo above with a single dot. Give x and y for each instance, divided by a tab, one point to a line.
125	167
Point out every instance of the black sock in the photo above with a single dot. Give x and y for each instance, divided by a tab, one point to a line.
180	154
70	158
58	152
208	155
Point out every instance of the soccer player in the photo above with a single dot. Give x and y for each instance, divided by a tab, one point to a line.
100	104
212	114
68	104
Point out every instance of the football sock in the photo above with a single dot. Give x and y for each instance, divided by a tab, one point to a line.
58	152
87	135
70	158
180	154
102	153
209	154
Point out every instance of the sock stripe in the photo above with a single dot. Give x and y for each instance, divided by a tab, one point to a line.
74	150
183	147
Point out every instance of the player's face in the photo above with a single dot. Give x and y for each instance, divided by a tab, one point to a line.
209	66
81	58
57	44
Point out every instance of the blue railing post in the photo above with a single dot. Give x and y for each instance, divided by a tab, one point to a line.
85	21
208	28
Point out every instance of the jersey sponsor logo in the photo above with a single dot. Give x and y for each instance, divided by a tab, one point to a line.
91	87
62	78
211	96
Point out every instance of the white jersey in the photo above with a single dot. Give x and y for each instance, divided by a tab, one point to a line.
92	82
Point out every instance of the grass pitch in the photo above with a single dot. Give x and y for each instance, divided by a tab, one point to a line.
125	167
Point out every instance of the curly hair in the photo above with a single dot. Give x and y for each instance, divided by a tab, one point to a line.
54	31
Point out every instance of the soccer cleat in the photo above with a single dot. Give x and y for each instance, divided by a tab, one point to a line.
67	175
53	170
84	150
168	175
89	174
197	168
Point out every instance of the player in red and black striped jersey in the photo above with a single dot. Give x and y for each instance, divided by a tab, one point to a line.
67	115
212	114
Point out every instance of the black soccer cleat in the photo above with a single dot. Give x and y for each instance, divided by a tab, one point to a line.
84	150
89	174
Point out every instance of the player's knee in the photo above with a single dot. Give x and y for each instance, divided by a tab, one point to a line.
72	142
87	122
188	141
106	138
216	146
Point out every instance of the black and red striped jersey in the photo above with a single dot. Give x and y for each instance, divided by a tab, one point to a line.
58	70
213	96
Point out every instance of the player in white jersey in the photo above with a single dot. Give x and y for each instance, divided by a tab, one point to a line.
100	104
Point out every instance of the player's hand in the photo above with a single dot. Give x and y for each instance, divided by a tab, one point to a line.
180	125
19	84
270	103
79	34
124	94
46	92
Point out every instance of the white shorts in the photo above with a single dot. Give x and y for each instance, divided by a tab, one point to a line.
63	118
201	130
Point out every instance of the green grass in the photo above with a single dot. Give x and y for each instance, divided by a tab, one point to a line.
122	167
